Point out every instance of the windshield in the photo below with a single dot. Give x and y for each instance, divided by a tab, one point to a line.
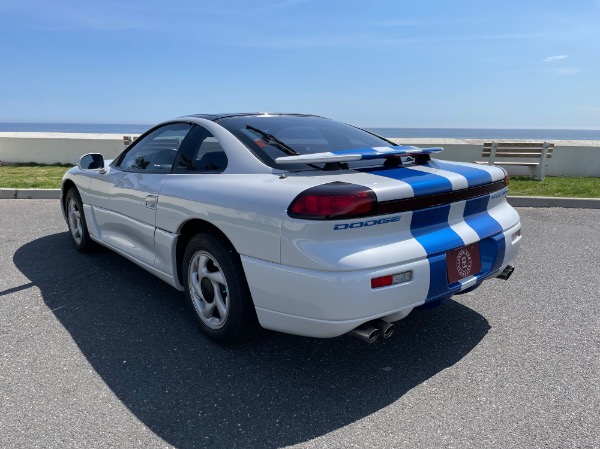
267	137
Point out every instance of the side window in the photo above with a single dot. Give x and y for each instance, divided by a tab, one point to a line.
204	154
157	151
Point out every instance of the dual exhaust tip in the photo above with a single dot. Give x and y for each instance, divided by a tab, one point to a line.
371	331
506	273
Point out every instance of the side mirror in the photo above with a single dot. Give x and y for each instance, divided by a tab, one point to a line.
92	161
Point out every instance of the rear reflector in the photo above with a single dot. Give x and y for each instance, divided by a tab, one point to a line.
393	279
516	235
334	201
383	281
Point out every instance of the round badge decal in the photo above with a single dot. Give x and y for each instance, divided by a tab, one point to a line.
464	263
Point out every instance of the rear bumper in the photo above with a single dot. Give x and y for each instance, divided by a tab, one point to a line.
327	304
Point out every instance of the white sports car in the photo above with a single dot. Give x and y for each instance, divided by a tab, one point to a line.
295	223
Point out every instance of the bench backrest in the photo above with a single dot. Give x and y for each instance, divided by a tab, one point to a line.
518	149
127	140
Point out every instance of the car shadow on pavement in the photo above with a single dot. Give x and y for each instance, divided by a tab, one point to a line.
274	391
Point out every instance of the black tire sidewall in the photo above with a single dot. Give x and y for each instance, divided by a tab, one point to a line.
241	322
86	243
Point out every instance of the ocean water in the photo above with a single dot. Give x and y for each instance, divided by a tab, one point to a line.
457	133
476	133
92	128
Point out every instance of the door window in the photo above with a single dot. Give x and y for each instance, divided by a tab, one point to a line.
156	151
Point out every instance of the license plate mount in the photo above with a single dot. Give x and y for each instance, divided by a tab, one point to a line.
463	262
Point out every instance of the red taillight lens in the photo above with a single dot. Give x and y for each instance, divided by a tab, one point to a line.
334	201
392	279
383	281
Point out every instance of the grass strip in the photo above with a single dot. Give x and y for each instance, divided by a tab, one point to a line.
32	176
555	187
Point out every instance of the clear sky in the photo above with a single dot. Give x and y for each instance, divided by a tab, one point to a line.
378	63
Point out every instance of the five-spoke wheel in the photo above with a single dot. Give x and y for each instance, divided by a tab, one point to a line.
76	221
74	217
217	291
208	290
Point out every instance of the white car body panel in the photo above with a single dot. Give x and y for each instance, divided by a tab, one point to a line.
306	277
248	209
128	218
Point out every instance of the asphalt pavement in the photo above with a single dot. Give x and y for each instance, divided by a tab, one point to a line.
95	352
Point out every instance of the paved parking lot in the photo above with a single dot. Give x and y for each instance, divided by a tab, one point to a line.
94	352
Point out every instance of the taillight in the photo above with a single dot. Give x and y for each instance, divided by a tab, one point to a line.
334	201
506	178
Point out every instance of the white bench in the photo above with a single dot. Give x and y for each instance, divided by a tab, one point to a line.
536	155
127	140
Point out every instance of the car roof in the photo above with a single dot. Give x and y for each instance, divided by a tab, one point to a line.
216	117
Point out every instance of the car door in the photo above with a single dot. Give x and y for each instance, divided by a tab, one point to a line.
131	188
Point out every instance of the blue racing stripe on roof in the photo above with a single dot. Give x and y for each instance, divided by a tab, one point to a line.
475	176
422	183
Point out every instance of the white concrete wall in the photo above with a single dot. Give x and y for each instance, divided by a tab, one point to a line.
50	148
570	158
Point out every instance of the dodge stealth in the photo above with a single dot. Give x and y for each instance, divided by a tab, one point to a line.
294	222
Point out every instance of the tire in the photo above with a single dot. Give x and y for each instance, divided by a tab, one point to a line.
76	221
216	290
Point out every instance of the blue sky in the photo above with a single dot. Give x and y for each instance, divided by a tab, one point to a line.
378	63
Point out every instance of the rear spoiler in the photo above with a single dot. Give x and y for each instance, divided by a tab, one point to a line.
357	155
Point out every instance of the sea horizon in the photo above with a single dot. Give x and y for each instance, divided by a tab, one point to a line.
389	132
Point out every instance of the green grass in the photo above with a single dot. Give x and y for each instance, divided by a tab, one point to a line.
555	186
32	176
36	176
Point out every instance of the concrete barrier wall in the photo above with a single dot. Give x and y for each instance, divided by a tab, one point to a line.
570	158
50	148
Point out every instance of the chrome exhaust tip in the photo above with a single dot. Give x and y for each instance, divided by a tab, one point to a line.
386	329
366	333
506	273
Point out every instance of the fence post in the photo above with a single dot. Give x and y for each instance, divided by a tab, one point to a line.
541	171
493	153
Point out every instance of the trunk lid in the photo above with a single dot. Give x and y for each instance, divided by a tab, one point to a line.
433	177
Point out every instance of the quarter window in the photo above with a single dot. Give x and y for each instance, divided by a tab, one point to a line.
203	154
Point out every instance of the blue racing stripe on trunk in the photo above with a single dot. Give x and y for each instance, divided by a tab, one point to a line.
431	229
479	219
475	176
422	183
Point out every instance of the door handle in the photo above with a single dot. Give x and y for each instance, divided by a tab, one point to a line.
151	201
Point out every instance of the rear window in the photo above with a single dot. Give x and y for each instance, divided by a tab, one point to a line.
305	135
